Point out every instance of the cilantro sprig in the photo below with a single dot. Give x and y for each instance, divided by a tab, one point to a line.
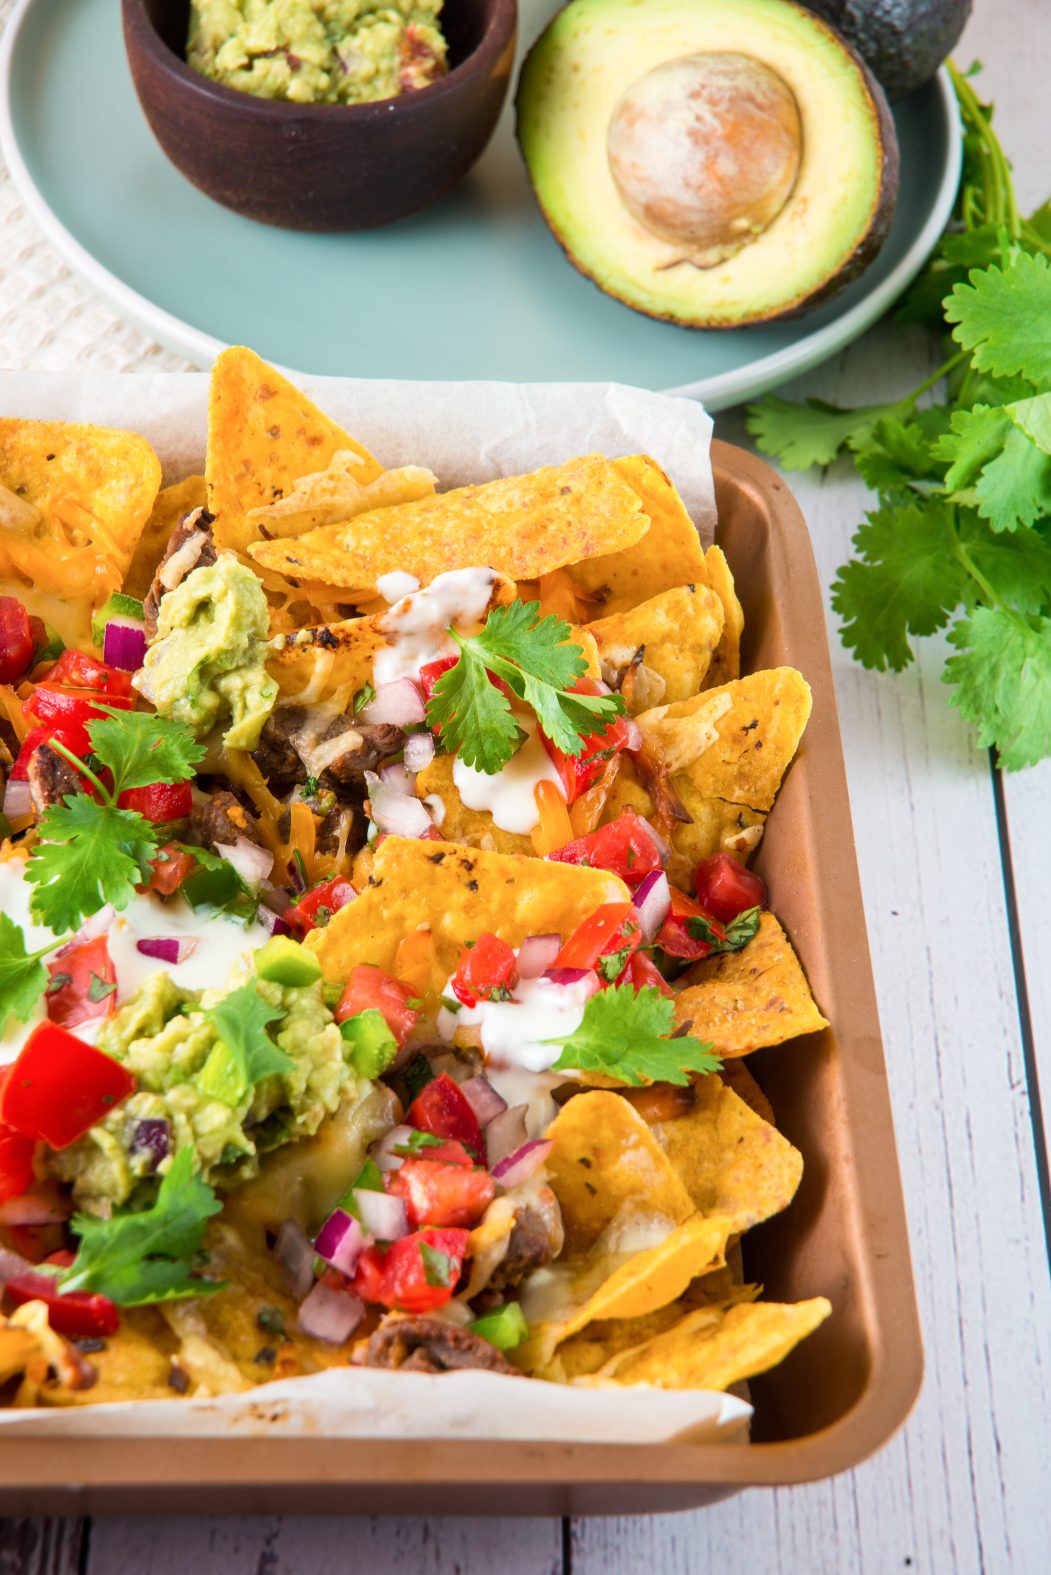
624	1033
538	662
148	1256
89	851
23	977
245	1053
961	538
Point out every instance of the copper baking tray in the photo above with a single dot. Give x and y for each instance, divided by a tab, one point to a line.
846	1389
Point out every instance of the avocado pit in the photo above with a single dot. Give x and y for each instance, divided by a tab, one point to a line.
705	150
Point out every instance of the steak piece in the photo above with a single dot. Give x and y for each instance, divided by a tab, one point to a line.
295	741
430	1345
536	1238
276	754
51	778
375	742
190	547
221	818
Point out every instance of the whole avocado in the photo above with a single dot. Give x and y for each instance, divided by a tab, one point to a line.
903	42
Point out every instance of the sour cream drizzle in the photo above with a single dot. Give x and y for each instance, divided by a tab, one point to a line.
416	624
510	793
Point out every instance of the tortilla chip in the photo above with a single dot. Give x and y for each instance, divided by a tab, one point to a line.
595	1346
522	526
337	493
81	496
715	825
741	1001
709	1349
475	828
611	1175
736	1076
726	663
263	436
661	650
172	503
461	892
730	1161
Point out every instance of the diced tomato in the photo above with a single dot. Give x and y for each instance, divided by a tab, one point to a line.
417	1273
605	940
725	888
81	671
674	938
448	1154
487	971
16	640
160	801
443	1109
83	983
58	1087
170	868
642	972
16	1155
316	907
61	706
437	1194
625	847
80	1314
38	629
373	989
579	772
75	739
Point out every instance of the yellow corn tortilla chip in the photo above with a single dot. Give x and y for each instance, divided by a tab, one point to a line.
584	1353
475	828
713	1350
73	503
741	1001
670	553
522	526
461	893
263	435
726	663
730	1161
613	1178
172	503
337	493
663	647
736	1076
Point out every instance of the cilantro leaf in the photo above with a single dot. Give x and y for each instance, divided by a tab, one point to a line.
1001	460
437	1265
245	1054
141	748
23	977
812	433
1002	315
89	854
956	256
895	455
147	1257
1002	678
727	937
624	1033
1016	564
538	662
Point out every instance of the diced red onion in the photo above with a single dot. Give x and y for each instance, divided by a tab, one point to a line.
251	862
575	976
399	703
382	1151
419	751
98	924
383	1214
395	812
152	1136
663	848
483	1099
652	900
537	954
330	1313
272	922
172	949
340	1241
523	1163
276	898
505	1133
18	800
632	734
294	1254
395	776
11	1266
30	1209
124	645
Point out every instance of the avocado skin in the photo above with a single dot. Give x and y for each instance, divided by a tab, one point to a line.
903	42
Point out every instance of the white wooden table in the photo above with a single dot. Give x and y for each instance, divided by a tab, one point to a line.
956	870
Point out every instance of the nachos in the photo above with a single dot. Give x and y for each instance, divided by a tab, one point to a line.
378	947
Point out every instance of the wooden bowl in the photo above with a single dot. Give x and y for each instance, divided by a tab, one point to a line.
323	166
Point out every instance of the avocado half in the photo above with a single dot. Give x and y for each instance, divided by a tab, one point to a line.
713	163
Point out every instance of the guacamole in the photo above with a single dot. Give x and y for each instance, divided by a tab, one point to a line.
318	51
163	1037
208	662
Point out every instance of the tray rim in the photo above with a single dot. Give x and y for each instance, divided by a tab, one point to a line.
718	392
186	1475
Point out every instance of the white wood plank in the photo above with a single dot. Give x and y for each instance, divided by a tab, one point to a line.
955	1491
293	1546
1027	800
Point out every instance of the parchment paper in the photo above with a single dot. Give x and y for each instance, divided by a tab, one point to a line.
464	432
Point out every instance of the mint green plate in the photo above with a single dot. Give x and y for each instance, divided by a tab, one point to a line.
475	287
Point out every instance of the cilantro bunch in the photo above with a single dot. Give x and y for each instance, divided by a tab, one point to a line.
625	1033
961	537
538	664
